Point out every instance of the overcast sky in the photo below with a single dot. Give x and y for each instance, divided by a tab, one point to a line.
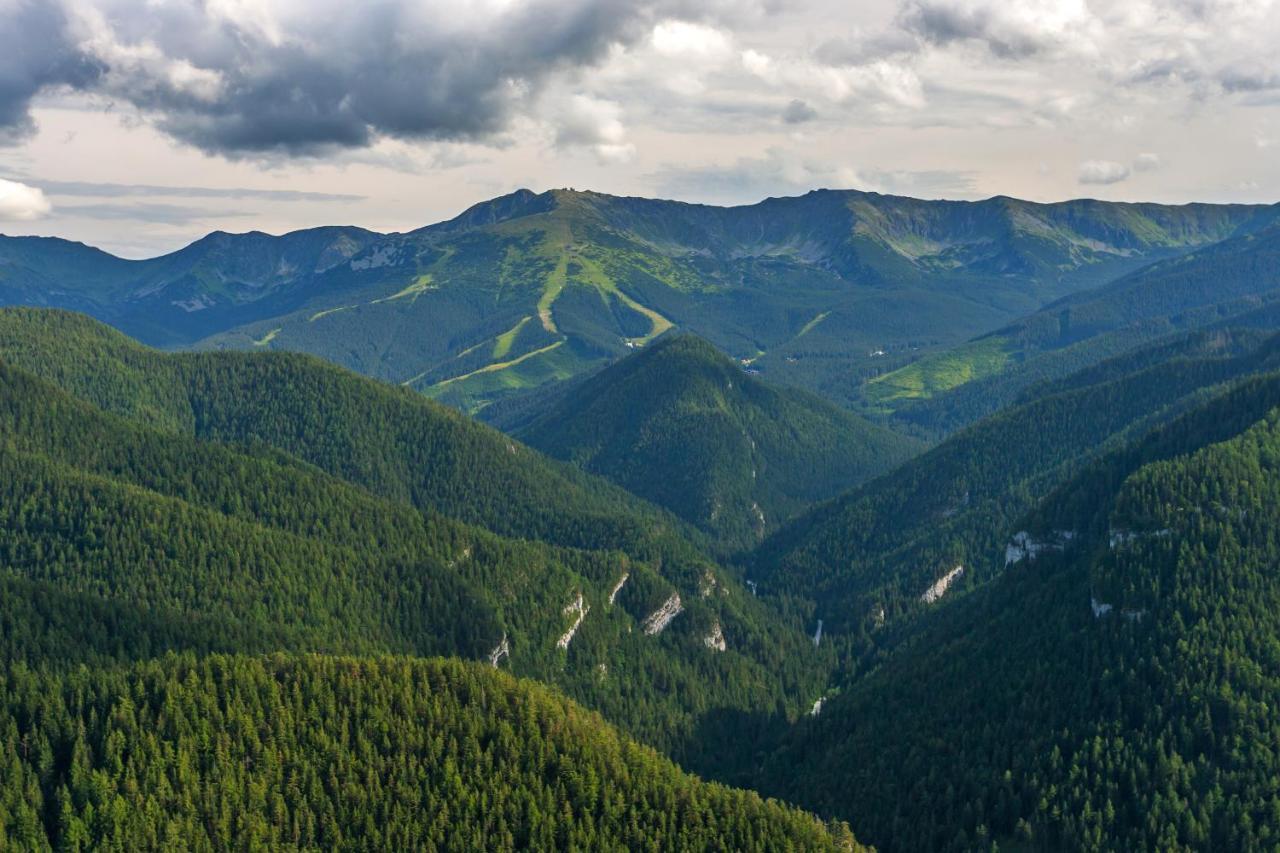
139	125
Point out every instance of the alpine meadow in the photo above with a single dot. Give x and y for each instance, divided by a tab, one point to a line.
842	427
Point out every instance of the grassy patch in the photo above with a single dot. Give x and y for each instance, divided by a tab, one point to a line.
412	291
328	311
268	337
934	374
809	326
502	345
496	366
473	391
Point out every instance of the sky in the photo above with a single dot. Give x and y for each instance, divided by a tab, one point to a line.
140	125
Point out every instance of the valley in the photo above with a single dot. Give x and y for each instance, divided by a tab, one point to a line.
1003	527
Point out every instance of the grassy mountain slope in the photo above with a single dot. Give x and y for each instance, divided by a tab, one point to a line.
527	290
682	425
1115	695
340	753
1221	284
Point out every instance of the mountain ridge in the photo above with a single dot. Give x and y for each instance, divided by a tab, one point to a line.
529	289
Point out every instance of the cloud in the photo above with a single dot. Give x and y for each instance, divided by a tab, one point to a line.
96	189
1147	162
21	202
798	112
168	214
305	77
37	53
584	122
1102	172
881	83
691	42
783	172
1007	28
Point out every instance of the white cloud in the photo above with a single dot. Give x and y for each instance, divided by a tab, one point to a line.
1147	162
691	42
1102	172
21	202
582	121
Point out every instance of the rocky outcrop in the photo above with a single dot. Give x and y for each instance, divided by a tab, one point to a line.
579	607
1024	546
941	585
502	650
659	619
715	640
617	587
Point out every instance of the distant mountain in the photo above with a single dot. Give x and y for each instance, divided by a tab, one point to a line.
684	426
1232	283
220	280
821	290
1110	689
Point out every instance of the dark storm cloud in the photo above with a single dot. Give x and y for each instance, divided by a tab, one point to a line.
312	78
36	53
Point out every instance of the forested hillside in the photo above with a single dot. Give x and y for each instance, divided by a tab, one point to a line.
331	753
871	554
1112	693
390	441
681	424
121	539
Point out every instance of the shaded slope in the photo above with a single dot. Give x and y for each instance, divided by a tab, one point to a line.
869	555
1116	695
682	425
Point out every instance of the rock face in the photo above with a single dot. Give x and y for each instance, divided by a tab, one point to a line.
715	640
617	588
500	651
941	585
577	606
1119	537
659	619
1026	547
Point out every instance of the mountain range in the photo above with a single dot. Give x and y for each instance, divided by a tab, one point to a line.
949	525
820	291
